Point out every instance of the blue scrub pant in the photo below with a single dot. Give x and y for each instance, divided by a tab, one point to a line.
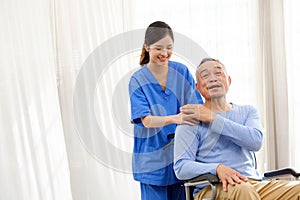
170	192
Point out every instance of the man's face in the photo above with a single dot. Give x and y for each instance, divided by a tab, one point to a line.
212	80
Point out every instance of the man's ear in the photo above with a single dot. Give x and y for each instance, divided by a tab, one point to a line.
197	87
229	80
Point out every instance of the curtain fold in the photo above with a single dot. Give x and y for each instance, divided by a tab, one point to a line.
292	42
275	83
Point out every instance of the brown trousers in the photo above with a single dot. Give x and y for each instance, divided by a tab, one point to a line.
252	190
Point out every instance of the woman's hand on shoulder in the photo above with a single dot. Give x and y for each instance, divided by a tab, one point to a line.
196	112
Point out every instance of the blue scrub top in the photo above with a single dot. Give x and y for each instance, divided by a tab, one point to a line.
152	161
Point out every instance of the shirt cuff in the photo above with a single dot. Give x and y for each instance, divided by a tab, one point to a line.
213	168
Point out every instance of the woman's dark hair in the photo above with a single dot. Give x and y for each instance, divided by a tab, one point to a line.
155	32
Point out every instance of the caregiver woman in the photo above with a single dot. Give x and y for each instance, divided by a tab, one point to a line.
157	91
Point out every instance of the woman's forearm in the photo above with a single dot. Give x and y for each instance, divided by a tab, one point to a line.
160	121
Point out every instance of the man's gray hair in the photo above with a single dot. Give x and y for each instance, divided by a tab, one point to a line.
209	59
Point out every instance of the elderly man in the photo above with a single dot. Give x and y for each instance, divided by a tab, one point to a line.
223	143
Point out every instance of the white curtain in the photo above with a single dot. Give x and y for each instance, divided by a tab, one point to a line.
33	159
275	82
87	76
65	65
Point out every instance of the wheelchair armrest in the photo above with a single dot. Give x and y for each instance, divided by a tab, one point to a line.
210	179
203	178
282	172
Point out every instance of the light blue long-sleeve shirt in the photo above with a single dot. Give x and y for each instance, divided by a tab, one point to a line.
230	140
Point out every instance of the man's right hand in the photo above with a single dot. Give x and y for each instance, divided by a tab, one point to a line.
228	175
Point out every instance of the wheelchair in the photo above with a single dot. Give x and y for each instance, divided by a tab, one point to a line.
212	180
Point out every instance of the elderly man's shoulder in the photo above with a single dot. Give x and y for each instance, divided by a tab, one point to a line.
245	108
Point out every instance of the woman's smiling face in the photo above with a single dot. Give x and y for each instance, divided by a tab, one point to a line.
161	51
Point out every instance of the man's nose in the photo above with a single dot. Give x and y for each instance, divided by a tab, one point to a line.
212	77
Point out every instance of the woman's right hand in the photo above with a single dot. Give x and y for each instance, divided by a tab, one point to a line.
187	119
